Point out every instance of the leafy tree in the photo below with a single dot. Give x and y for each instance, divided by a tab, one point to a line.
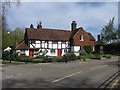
108	33
88	49
12	38
118	32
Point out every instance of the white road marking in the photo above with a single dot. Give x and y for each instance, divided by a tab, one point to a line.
99	66
66	77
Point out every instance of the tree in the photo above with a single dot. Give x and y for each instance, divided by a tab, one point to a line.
108	33
88	49
12	38
118	32
5	5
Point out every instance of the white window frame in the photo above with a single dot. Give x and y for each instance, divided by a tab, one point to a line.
82	38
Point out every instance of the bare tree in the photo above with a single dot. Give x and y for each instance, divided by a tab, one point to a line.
4	7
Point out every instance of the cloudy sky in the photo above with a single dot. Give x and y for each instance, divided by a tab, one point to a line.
92	16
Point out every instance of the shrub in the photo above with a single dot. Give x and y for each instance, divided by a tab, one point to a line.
14	57
82	58
57	59
107	55
82	52
96	56
23	58
94	52
6	55
42	59
70	57
88	49
37	60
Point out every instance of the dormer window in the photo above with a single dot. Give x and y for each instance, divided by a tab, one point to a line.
82	38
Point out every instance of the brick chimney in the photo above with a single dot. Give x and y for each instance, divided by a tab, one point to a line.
98	37
73	25
39	26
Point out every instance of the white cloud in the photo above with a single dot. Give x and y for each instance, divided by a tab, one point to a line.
59	15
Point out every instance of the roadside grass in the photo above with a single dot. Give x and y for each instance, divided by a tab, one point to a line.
97	56
15	63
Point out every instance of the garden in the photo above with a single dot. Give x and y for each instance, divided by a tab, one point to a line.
85	54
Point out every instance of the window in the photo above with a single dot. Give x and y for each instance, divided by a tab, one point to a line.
54	42
82	38
22	51
52	51
65	51
32	41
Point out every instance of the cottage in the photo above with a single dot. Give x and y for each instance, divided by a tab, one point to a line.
54	42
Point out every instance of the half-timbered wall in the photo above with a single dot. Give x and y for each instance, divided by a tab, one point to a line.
48	44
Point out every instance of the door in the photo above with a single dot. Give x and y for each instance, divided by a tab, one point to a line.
31	53
59	52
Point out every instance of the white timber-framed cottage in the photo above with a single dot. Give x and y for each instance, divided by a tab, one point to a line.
54	42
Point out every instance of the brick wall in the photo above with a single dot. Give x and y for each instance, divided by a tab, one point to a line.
76	39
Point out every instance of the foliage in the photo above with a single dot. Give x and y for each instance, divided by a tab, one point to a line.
82	58
88	49
82	52
57	59
108	33
107	55
42	59
14	56
12	38
37	60
6	55
24	58
90	56
118	32
70	57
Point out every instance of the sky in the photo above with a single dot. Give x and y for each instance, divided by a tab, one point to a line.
92	16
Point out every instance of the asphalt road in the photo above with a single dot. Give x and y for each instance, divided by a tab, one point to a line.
76	74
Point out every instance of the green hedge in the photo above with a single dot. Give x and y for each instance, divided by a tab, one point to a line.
88	49
95	56
57	59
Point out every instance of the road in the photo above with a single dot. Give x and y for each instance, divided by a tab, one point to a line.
75	74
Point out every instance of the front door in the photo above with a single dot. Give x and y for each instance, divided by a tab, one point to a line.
31	53
59	52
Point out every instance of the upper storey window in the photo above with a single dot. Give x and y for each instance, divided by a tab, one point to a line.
82	38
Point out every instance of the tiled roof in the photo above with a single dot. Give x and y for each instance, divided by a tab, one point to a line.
48	34
91	37
22	45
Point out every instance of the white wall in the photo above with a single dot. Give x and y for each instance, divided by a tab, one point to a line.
76	48
93	48
27	52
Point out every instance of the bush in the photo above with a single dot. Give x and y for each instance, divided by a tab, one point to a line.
42	59
107	55
6	55
88	49
37	60
14	57
96	56
82	58
70	57
23	58
82	52
57	59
